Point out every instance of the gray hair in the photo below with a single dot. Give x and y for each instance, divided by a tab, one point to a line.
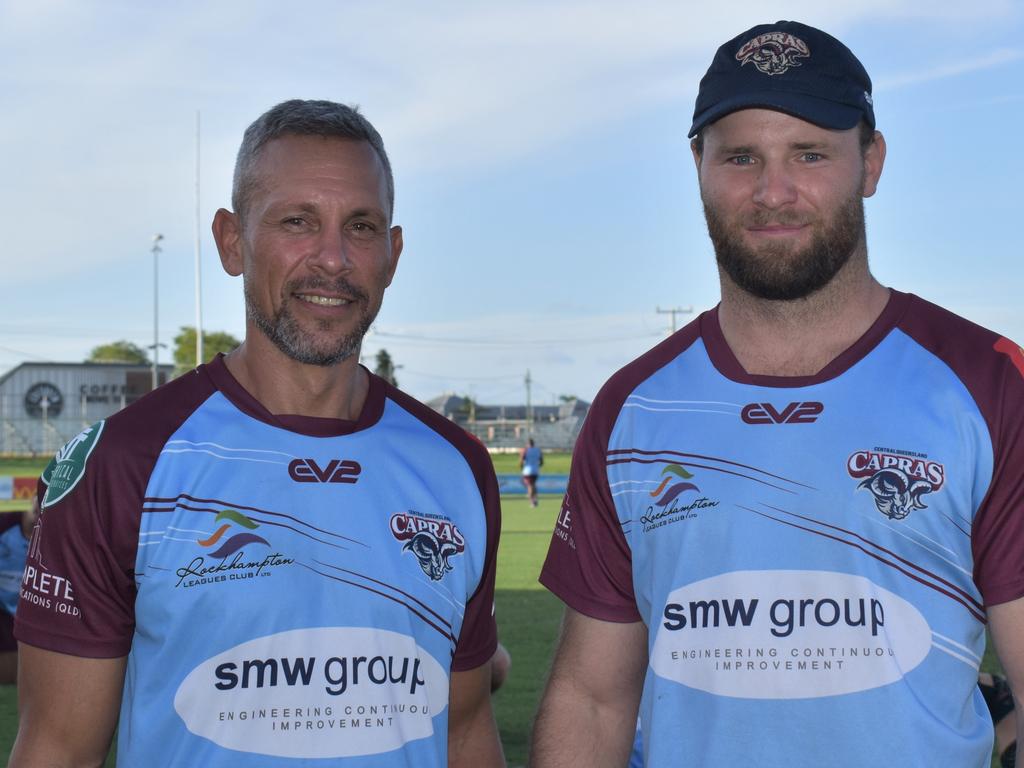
304	118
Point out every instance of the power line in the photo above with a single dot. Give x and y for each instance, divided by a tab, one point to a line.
400	337
26	354
506	377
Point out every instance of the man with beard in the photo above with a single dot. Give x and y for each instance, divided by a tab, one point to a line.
788	525
278	558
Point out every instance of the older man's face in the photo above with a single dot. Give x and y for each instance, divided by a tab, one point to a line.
316	246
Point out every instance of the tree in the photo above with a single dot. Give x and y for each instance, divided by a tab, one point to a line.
185	347
119	352
385	367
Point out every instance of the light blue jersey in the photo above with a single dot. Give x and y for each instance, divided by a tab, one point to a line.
289	591
812	556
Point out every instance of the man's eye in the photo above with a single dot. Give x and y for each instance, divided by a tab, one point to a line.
741	160
294	221
811	157
362	228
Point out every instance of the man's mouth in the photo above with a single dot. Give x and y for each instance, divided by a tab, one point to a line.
323	301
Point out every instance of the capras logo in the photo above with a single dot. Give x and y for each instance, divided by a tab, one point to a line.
868	463
794	413
433	541
405	525
896	481
335	471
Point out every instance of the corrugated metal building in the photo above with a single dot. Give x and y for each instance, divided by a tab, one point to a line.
43	405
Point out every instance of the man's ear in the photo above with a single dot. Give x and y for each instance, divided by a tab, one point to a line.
227	232
396	251
696	147
874	159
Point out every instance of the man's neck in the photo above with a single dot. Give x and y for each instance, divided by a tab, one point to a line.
285	386
799	338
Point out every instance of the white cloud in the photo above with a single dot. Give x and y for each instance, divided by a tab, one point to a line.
946	69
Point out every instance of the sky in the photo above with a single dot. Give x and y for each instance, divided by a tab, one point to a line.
543	178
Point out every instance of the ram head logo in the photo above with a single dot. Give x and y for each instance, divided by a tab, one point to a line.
896	495
773	53
432	554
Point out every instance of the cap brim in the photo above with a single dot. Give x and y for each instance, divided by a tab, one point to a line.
821	112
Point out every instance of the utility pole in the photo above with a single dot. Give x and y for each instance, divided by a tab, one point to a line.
156	308
199	278
529	405
674	311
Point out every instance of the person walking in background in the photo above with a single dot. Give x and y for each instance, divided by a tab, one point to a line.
531	459
15	530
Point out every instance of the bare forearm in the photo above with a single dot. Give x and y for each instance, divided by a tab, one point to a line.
473	740
477	747
573	729
39	753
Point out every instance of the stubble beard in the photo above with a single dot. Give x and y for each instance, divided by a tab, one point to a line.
776	271
284	330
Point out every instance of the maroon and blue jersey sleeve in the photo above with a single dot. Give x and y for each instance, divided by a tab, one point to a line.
78	589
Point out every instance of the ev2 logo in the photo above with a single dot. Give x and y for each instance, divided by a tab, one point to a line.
336	471
794	413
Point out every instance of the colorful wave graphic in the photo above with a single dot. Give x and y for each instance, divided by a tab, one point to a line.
238	540
677	488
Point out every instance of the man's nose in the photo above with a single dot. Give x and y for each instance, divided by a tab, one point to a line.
332	252
775	186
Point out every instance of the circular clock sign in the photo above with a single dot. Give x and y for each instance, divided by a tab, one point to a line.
43	396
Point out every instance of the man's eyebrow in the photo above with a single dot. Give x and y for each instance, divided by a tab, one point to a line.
736	149
805	145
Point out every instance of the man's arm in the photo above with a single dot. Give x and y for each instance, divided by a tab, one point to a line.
1006	623
588	713
67	709
472	734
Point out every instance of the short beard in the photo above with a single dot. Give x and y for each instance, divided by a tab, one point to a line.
775	271
286	334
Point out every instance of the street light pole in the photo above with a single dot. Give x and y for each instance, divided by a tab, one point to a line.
156	306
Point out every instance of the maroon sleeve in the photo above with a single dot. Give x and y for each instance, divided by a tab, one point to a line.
589	563
78	590
998	538
992	369
478	638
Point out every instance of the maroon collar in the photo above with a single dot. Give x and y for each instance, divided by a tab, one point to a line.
725	361
314	426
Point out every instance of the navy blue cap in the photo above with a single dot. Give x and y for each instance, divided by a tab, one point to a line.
789	67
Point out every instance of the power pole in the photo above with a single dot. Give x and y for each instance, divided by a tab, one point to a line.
156	309
674	311
529	405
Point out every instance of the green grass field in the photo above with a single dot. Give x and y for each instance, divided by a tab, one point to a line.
528	615
19	467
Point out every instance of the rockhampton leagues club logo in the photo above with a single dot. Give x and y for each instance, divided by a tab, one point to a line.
226	545
675	499
773	53
434	540
896	479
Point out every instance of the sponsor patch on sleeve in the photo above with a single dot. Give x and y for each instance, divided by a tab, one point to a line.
68	466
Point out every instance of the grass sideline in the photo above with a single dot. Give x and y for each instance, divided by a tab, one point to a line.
528	615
